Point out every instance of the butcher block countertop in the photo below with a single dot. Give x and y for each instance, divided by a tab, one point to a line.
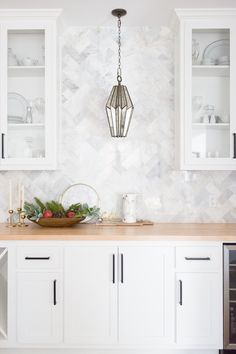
184	232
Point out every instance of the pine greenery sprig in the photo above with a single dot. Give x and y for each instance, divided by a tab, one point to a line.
35	211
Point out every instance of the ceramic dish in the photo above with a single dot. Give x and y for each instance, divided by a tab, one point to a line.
17	105
15	120
216	50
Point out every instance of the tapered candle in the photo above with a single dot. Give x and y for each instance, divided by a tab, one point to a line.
10	195
19	195
22	196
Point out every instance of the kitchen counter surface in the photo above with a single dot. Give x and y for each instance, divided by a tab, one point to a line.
185	232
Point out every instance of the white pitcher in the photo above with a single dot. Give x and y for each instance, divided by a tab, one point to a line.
129	207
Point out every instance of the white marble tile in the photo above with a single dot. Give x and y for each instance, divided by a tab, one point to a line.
142	163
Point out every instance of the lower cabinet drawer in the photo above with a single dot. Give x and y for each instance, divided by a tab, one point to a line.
198	258
39	257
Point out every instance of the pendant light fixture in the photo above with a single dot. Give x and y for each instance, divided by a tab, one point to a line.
119	106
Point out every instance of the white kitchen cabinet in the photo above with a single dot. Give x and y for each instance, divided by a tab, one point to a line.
199	310
146	293
28	89
205	89
3	293
199	296
39	307
111	294
91	295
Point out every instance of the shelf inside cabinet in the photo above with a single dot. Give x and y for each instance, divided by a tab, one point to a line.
211	70
24	67
26	71
211	125
25	125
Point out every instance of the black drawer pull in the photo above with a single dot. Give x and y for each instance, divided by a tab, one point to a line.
180	292
54	292
197	258
122	268
37	258
234	135
3	146
113	269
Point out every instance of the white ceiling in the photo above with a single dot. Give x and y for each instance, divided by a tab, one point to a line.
97	12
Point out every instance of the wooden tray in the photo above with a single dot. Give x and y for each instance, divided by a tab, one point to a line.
58	222
120	223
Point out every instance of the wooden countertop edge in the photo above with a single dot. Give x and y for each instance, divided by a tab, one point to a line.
122	238
156	232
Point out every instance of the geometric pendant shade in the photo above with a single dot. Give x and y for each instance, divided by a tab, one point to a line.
119	110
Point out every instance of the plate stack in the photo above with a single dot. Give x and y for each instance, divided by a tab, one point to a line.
15	120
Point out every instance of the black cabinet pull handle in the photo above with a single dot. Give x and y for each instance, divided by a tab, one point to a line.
197	258
234	135
113	269
37	258
54	292
3	144
122	268
180	292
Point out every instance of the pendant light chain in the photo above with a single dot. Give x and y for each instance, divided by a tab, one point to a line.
119	107
119	78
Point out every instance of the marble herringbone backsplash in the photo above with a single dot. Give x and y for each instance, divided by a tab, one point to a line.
142	163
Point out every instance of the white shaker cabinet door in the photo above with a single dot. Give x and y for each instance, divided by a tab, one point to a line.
146	295
39	307
199	310
90	295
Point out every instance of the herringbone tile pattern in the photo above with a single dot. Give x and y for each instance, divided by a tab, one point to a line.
144	162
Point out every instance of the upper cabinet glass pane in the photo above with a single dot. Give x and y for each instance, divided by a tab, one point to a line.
26	94
211	93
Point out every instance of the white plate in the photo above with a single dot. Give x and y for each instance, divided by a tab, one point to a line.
17	105
80	193
216	50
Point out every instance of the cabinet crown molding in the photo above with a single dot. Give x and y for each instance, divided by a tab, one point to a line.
29	13
198	13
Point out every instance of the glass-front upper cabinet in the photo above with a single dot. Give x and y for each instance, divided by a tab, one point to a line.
205	89
28	91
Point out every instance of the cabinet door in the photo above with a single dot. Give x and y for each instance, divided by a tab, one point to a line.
39	307
28	95
146	295
90	295
207	108
199	310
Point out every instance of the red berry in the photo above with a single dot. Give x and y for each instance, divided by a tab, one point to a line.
70	214
47	214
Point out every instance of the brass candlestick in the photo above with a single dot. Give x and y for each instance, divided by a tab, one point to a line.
10	219
19	210
23	216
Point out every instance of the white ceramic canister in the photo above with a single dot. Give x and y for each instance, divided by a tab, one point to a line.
129	207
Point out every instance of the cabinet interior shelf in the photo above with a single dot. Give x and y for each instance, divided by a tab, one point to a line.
211	125
3	333
211	70
2	254
23	67
31	125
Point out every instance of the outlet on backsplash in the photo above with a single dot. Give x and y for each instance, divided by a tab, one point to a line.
212	201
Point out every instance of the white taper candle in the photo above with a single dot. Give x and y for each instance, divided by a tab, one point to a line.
22	196
10	194
19	195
